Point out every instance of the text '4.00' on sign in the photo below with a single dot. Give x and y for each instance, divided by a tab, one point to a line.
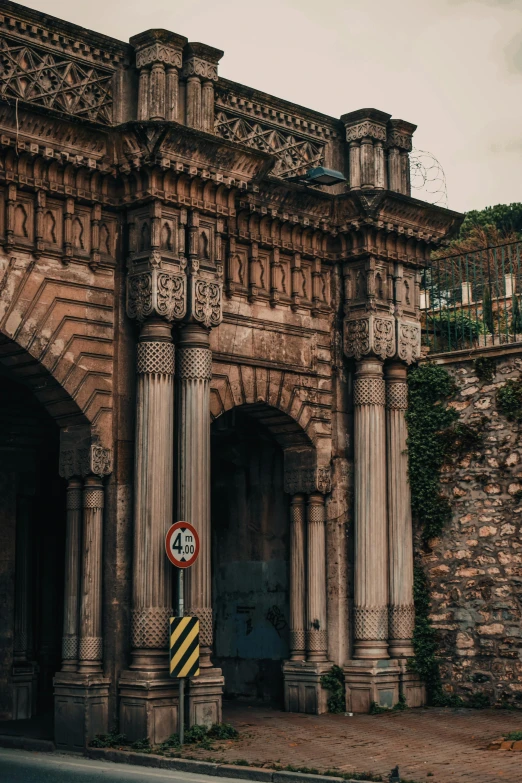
182	544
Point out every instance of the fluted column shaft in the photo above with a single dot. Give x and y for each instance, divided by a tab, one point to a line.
72	575
401	609
91	641
297	578
143	95
193	102
194	372
371	545
316	629
153	502
22	630
157	92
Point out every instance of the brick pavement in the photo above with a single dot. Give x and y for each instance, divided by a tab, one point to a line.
429	745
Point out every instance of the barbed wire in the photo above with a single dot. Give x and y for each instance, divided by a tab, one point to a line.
428	178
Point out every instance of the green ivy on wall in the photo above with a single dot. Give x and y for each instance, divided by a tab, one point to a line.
428	418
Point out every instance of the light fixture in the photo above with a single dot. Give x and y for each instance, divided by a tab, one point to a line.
319	176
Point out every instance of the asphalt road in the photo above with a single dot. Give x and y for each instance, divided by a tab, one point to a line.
22	766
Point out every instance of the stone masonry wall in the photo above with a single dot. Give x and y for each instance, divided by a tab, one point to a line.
475	567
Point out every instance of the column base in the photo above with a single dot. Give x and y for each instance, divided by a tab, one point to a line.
369	682
302	686
149	706
24	682
411	688
205	698
81	709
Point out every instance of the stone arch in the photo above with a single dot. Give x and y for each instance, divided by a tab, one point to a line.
56	336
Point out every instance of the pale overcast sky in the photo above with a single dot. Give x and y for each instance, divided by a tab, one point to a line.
453	67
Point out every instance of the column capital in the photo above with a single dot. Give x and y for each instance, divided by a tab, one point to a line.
365	124
382	335
399	134
300	481
158	46
80	456
201	61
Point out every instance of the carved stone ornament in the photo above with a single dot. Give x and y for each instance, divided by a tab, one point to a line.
366	130
84	460
409	341
308	480
401	140
207	302
197	67
369	334
156	292
158	53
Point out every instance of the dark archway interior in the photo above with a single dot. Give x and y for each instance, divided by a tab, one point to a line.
32	540
250	553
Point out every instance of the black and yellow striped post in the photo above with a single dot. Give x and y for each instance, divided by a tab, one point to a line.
184	654
184	647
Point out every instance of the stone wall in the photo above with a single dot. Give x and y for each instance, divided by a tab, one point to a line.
475	567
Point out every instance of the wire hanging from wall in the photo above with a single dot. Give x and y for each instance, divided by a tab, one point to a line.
428	178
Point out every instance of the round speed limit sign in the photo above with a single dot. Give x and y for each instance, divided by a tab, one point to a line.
182	544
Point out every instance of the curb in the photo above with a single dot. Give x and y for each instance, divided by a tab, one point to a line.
209	768
26	743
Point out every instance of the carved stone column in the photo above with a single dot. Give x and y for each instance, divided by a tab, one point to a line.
200	69
194	372
158	60
399	143
370	677
365	134
316	631
371	550
401	610
308	591
81	706
153	499
91	640
148	698
297	578
71	614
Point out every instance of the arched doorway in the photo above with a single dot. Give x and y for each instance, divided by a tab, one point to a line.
250	557
32	541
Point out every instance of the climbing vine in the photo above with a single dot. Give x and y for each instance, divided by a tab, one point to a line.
333	681
429	386
509	400
433	433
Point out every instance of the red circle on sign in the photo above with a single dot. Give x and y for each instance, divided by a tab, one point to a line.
182	544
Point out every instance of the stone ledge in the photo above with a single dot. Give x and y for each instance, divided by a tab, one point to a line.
209	768
26	743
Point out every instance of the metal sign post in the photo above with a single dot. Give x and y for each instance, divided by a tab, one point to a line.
182	548
181	705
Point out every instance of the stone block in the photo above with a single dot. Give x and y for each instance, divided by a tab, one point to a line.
81	709
370	682
204	699
23	681
149	706
302	687
411	687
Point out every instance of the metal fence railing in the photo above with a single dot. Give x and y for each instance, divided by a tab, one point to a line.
473	300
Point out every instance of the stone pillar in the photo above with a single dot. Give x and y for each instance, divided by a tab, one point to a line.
200	68
371	550
401	608
297	579
24	671
370	677
399	143
401	611
194	372
316	631
153	497
91	640
81	704
365	135
71	615
149	703
158	59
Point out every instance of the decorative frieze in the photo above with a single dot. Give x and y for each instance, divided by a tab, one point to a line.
371	623
194	364
366	129
159	53
155	357
150	627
